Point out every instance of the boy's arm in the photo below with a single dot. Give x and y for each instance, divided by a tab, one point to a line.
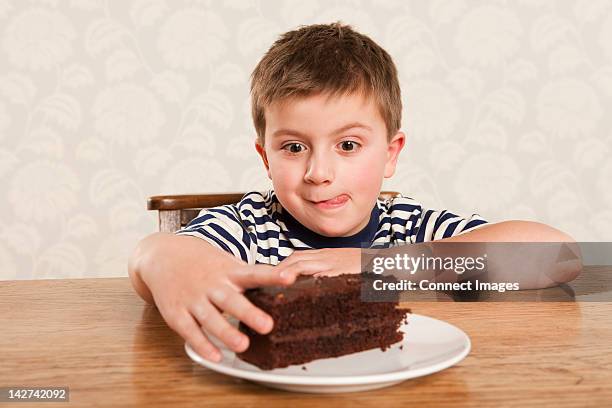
135	268
538	265
512	231
190	282
546	271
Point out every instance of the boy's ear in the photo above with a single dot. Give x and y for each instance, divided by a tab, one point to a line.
262	152
395	146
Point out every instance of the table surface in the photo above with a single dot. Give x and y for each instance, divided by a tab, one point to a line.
99	338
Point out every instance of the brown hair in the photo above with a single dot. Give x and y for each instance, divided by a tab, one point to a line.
331	58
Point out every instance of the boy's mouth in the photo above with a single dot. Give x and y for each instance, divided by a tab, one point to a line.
335	202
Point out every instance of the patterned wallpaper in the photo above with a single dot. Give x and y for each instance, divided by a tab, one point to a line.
104	103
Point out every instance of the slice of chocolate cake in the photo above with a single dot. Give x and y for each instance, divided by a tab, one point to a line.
320	318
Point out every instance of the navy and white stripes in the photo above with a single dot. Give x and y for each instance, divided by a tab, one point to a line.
258	230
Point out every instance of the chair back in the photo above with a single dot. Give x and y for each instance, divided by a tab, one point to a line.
176	211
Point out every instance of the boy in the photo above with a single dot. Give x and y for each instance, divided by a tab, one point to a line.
327	110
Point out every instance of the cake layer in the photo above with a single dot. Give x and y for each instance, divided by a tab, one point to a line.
267	354
324	312
314	302
346	327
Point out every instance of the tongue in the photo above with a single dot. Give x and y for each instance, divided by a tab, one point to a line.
337	200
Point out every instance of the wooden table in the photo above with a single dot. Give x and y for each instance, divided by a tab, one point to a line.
99	338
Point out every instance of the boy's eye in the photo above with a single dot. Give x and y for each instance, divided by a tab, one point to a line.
349	146
293	147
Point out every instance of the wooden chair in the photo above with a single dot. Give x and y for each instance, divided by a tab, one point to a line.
176	211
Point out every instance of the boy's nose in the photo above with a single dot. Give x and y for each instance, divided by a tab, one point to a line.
318	171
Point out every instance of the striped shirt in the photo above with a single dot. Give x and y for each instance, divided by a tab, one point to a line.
259	230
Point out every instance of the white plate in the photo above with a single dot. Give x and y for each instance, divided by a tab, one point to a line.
429	345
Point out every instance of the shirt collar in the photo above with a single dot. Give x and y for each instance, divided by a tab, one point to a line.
364	237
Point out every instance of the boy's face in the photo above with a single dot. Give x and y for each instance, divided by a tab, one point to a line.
327	158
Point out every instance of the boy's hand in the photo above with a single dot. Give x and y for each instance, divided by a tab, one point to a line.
190	300
321	262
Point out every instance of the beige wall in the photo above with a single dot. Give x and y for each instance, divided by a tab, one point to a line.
507	108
